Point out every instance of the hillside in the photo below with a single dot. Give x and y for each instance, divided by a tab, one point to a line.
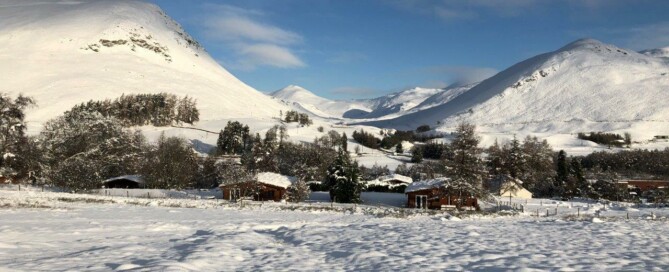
305	100
379	108
583	86
64	53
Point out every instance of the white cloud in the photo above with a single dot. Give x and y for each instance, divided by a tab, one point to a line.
240	28
254	42
269	55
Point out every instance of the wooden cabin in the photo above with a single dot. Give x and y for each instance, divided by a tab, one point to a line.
438	194
264	186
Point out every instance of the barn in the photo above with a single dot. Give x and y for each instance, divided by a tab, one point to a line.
125	182
265	186
507	186
439	193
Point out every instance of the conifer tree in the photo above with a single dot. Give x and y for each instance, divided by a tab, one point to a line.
466	167
342	179
562	173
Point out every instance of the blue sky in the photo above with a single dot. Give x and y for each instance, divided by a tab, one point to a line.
366	48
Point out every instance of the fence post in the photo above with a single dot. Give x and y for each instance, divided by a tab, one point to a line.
555	211
19	187
628	215
578	212
537	212
546	212
127	194
522	208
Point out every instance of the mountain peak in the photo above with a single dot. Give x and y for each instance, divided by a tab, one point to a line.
585	43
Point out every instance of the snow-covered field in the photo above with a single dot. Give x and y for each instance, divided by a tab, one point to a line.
59	231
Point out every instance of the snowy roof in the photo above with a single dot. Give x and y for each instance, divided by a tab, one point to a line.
135	178
425	184
503	183
401	178
275	179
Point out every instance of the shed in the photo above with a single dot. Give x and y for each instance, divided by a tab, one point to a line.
125	182
439	193
265	186
507	186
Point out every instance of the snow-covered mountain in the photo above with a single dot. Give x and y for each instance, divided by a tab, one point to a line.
658	52
583	86
400	102
383	107
305	100
66	52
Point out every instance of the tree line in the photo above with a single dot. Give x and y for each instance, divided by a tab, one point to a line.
161	109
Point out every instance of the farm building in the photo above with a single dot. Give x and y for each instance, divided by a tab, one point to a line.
507	186
265	186
439	193
125	182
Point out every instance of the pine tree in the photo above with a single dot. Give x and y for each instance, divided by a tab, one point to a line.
399	149
233	139
514	159
342	180
344	142
562	173
495	159
416	154
466	168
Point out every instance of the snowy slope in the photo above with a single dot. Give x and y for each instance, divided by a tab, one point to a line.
383	107
307	101
583	86
66	52
399	102
658	53
443	97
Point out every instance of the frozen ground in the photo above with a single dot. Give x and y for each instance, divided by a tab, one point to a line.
72	232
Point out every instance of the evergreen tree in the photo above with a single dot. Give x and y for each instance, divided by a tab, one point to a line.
344	142
495	159
539	176
514	159
466	167
416	154
342	180
13	139
233	139
399	149
577	185
562	173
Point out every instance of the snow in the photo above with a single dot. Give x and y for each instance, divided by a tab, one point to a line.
425	184
584	86
397	177
385	180
275	179
318	106
46	55
76	235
